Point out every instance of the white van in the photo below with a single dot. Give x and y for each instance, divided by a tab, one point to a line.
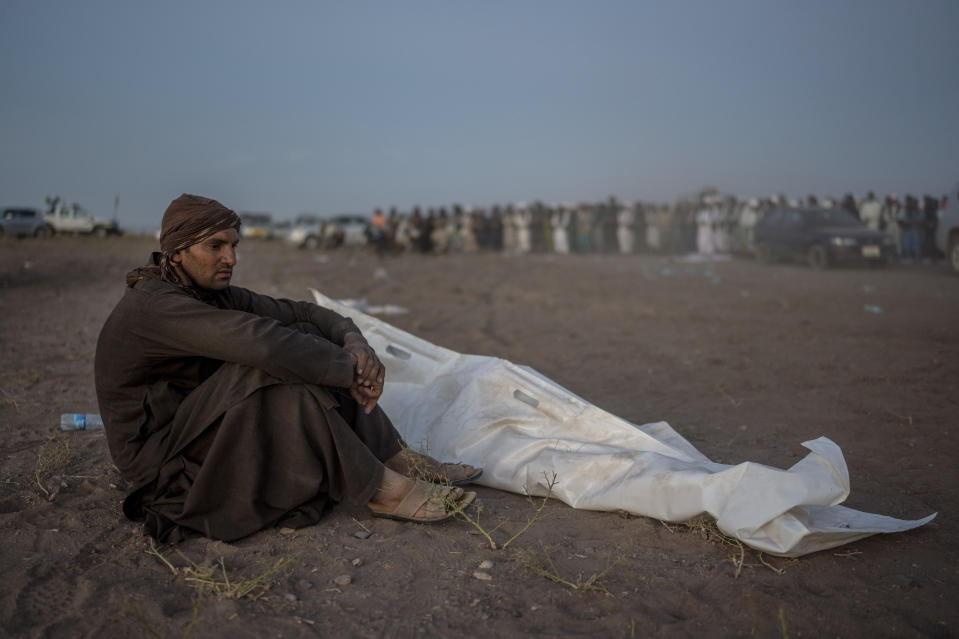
947	232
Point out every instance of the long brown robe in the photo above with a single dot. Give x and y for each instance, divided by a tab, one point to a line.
231	413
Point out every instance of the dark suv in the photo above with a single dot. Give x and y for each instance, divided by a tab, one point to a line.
23	222
821	237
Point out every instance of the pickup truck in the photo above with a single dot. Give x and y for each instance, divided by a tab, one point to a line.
77	220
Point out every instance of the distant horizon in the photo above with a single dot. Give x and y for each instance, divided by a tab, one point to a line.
331	108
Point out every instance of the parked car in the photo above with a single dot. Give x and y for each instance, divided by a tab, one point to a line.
312	231
349	230
947	231
308	232
821	237
77	220
256	225
23	222
281	229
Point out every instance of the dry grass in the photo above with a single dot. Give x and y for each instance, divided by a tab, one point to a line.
783	629
8	400
419	469
148	629
155	551
905	419
537	513
419	466
543	566
721	389
707	529
52	460
17	381
213	579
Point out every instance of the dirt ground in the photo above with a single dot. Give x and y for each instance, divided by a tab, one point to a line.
745	360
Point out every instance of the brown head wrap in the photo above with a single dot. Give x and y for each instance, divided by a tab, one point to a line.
188	220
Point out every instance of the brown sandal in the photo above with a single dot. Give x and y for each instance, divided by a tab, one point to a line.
430	495
471	475
422	466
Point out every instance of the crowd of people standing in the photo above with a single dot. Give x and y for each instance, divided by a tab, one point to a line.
707	222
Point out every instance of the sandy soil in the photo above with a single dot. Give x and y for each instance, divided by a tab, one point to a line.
745	360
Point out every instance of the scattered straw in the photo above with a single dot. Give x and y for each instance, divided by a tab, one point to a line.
778	571
52	457
544	567
215	580
708	530
459	511
905	419
9	400
153	550
721	389
783	630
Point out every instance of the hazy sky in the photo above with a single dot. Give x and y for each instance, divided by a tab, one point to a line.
334	107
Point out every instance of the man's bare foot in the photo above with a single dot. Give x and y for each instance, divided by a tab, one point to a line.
407	500
419	466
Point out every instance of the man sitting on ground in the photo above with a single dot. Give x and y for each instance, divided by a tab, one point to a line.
230	411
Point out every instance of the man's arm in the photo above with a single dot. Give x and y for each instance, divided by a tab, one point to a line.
369	372
177	325
331	324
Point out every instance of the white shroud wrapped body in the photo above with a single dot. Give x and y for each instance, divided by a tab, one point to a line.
522	428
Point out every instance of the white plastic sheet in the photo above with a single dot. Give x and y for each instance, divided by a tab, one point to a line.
522	428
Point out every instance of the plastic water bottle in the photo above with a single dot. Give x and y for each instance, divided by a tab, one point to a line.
80	421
